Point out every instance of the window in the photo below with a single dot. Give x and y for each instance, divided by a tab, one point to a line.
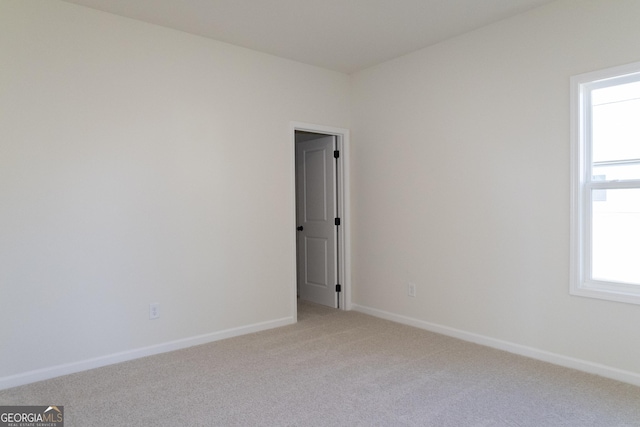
605	179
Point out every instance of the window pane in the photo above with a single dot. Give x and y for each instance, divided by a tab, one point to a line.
616	124
615	255
609	172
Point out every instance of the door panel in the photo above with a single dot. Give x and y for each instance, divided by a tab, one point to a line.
316	253
315	184
315	212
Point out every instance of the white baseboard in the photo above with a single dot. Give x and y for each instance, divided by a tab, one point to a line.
534	353
97	362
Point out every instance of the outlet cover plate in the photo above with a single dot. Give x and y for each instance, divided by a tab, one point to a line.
154	310
411	289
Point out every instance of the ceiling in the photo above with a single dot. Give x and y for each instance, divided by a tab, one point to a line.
341	35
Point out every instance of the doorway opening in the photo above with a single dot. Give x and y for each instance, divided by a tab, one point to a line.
321	215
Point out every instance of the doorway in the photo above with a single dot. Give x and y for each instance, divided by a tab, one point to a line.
321	215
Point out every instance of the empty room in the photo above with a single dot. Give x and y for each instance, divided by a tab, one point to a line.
303	212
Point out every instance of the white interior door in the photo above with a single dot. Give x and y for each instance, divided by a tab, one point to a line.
315	215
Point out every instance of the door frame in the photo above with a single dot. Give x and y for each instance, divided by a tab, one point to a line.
344	210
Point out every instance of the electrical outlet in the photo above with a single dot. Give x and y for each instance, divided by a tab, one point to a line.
154	310
411	289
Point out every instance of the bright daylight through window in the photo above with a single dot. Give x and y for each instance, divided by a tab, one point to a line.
605	234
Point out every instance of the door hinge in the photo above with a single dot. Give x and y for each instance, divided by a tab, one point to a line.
336	154
337	221
338	288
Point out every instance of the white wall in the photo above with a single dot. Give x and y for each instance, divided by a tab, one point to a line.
140	164
460	183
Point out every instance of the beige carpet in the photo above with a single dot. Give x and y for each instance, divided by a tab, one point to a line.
335	369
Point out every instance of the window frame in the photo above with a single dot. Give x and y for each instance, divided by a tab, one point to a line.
582	185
